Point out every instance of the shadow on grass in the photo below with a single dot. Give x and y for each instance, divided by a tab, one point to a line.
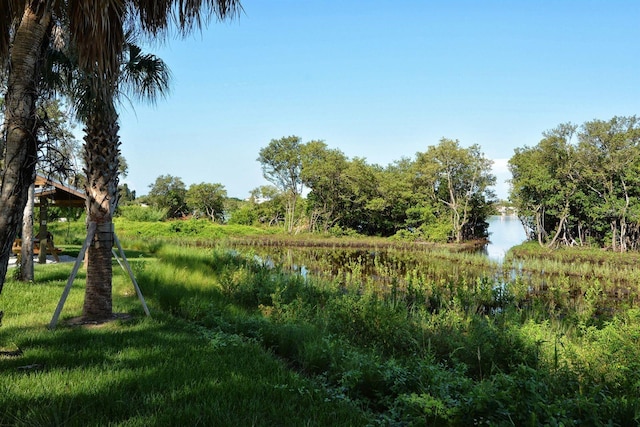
153	372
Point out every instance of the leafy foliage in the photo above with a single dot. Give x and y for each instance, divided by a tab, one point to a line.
579	185
207	199
442	195
445	362
168	192
139	213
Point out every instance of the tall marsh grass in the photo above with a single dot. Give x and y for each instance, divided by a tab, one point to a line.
448	352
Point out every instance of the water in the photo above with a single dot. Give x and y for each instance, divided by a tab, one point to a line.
386	267
505	231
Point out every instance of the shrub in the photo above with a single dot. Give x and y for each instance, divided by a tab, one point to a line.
142	213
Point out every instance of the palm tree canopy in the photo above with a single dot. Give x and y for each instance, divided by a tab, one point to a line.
99	31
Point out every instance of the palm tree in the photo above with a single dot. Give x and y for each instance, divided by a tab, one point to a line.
146	77
99	35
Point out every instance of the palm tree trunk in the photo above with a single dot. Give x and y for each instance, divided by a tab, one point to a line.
20	149
101	151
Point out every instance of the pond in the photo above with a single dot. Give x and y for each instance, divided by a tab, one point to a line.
382	266
401	268
505	231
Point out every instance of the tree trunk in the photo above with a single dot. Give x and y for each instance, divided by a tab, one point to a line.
540	231
20	122
26	253
101	151
43	234
291	212
565	216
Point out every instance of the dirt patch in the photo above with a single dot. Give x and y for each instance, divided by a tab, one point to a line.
81	321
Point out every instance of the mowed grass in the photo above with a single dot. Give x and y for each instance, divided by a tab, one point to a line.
156	371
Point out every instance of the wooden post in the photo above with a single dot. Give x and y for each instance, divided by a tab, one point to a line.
51	248
131	275
42	257
90	233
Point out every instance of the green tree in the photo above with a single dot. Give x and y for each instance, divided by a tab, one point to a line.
169	192
239	211
125	194
544	184
458	178
207	199
360	197
58	149
396	196
610	166
57	152
581	193
282	166
269	205
323	173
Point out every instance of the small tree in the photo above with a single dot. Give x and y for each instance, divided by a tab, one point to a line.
168	192
282	166
322	173
458	178
207	199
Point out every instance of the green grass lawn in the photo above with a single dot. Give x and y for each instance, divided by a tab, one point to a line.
156	371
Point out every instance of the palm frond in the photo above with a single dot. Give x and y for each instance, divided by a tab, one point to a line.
98	34
145	76
186	15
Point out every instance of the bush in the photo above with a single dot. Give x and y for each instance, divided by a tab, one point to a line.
246	215
142	213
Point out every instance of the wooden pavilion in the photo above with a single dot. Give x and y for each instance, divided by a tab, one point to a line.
54	193
49	192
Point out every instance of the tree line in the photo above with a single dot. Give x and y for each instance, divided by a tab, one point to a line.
580	185
442	195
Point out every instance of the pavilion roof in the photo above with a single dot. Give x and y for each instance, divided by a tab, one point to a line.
57	193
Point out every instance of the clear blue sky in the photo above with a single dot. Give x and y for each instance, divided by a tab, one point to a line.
382	80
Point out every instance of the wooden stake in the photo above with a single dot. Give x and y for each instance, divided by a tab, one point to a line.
131	275
90	233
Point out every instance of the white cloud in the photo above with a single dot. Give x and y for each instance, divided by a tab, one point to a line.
501	170
500	166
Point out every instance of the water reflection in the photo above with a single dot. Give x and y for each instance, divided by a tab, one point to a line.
505	231
389	269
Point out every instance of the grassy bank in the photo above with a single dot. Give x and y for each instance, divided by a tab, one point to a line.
432	353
